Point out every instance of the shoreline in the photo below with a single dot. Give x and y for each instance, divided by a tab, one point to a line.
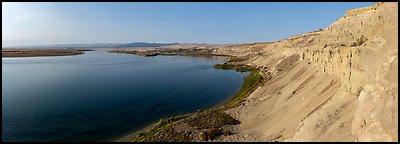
15	53
169	52
247	87
127	138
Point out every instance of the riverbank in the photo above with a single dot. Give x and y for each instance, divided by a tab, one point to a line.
38	52
203	125
194	51
128	137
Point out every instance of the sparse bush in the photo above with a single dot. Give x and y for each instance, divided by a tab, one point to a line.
359	90
359	41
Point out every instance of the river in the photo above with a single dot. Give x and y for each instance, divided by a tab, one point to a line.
100	96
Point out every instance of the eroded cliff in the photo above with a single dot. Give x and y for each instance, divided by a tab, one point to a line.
336	84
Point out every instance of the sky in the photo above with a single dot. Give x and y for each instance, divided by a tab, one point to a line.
186	22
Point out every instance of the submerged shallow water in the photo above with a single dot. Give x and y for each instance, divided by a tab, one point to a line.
100	96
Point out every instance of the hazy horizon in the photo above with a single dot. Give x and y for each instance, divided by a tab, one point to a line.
211	23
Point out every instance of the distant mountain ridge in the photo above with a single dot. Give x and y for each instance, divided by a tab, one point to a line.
98	45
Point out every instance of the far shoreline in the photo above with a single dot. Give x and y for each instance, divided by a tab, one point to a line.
14	53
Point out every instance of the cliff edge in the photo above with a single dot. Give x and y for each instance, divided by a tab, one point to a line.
336	84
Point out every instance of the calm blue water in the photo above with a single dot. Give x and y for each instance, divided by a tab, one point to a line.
100	96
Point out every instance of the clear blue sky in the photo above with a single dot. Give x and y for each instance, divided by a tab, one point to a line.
214	23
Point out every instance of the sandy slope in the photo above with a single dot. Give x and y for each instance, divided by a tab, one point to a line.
338	84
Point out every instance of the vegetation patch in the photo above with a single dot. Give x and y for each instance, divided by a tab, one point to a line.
236	59
250	84
210	119
359	41
161	131
237	67
202	125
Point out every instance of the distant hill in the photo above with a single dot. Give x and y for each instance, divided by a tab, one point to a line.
142	44
105	45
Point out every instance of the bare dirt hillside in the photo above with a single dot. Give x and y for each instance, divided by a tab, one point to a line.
336	84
